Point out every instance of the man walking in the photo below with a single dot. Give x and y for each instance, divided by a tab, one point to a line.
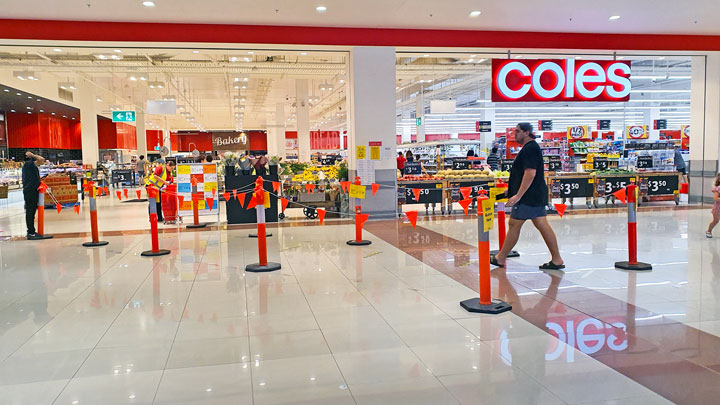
31	182
141	165
528	196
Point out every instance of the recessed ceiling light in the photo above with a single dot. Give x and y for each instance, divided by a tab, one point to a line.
99	99
52	113
57	49
321	9
303	53
118	51
251	53
614	17
19	94
12	110
148	3
196	51
474	14
426	55
661	58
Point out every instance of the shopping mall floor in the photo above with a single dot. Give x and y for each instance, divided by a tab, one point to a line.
376	324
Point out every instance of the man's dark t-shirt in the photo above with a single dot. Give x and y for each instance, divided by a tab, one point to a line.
530	157
30	176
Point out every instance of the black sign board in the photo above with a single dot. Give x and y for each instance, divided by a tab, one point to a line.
545	125
600	163
644	162
660	185
475	187
610	185
603	125
554	163
460	164
327	161
506	165
429	193
122	176
571	188
413	168
483	126
660	124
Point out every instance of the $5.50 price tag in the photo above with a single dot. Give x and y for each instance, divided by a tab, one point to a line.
357	191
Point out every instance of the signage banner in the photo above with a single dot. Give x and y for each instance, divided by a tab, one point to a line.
357	191
560	80
488	210
360	152
123	116
578	132
206	176
637	132
230	141
603	125
483	126
545	125
685	137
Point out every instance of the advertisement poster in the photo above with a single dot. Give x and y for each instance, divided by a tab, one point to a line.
637	132
578	132
207	179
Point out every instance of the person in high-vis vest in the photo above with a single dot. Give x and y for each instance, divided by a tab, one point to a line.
161	175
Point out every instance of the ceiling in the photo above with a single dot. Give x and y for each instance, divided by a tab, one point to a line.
636	16
13	100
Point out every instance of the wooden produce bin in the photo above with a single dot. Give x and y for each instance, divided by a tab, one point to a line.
660	186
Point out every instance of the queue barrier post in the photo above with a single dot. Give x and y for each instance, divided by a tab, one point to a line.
41	214
195	201
501	223
95	242
262	265
632	262
360	219
484	304
255	235
155	251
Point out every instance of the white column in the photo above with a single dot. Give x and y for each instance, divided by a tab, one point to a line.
704	124
276	132
649	117
420	113
302	110
87	103
140	131
372	118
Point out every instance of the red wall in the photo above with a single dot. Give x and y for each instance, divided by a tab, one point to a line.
290	134
116	135
153	138
200	140
258	140
42	131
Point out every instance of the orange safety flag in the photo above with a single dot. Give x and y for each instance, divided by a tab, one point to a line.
209	202
620	195
309	188
139	193
345	185
58	207
465	204
213	192
375	188
465	191
119	194
252	204
284	202
416	193
560	209
125	192
276	186
76	208
361	218
241	199
180	200
226	196
321	215
412	216
106	191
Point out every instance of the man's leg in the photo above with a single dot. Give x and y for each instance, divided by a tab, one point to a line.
542	225
511	238
31	202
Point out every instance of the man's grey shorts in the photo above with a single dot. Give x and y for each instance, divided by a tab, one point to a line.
525	212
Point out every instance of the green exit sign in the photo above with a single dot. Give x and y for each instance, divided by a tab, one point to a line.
418	121
123	116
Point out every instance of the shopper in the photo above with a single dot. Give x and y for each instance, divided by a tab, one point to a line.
245	164
259	165
161	176
401	163
31	182
208	158
493	160
716	207
680	165
471	153
528	196
142	165
409	157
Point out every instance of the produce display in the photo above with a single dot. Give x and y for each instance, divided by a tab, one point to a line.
424	177
315	173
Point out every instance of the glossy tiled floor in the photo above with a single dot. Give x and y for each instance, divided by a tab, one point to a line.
376	324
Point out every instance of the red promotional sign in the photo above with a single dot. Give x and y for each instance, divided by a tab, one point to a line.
560	80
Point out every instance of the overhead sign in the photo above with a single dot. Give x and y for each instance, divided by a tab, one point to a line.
483	126
418	121
578	132
637	132
603	125
659	124
442	106
545	125
560	80
123	116
230	140
161	107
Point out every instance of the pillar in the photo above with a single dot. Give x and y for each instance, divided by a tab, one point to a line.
140	131
704	124
372	119
649	117
302	110
87	103
276	132
420	113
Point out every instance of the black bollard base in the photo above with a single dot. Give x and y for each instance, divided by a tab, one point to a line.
496	307
193	226
254	235
513	253
95	244
358	242
639	266
261	268
159	252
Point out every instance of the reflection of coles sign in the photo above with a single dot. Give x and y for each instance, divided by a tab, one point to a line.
636	132
577	132
560	80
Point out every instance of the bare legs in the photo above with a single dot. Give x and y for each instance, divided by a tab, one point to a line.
513	235
713	223
511	238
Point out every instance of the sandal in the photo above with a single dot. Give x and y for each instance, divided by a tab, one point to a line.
494	262
552	266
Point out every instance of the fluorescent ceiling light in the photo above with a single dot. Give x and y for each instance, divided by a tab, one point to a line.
196	51
474	14
321	9
57	49
148	3
118	51
614	17
303	53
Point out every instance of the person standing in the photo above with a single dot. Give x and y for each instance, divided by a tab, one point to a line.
141	167
161	175
471	153
401	163
493	160
680	165
528	196
31	182
716	207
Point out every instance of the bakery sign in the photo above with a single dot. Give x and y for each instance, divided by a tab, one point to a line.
560	80
230	141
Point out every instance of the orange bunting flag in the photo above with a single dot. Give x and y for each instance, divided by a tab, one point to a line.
235	194
284	202
361	218
139	193
465	204
345	185
226	196
180	200
465	191
119	194
375	188
106	191
58	207
125	192
620	195
276	186
412	216
213	192
76	208
241	199
252	204
321	215
309	188
560	209
416	193
209	203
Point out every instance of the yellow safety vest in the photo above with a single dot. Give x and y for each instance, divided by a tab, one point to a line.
150	180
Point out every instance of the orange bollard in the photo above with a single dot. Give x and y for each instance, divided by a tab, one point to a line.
484	304
93	219
155	251
632	263
501	223
195	198
263	265
360	219
41	213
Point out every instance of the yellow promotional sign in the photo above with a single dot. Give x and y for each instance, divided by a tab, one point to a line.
578	132
488	209
267	199
183	169
636	132
357	191
374	153
361	152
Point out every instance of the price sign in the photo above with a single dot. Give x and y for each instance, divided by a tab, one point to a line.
361	152
429	193
121	176
357	191
571	188
460	164
475	187
600	163
327	161
413	168
661	185
660	124
483	126
545	125
506	165
554	163
644	162
613	184
603	125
